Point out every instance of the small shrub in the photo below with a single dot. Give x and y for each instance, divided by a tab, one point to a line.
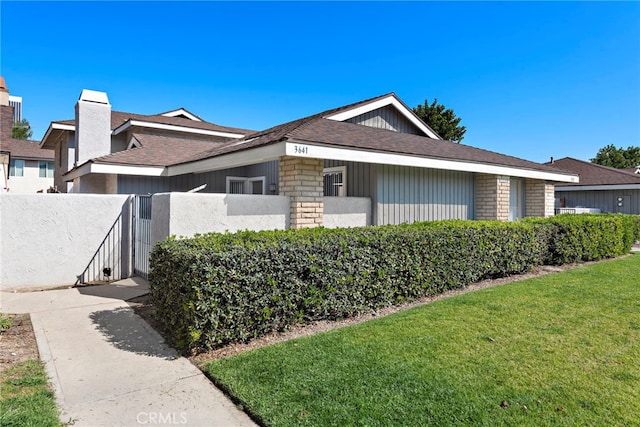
6	322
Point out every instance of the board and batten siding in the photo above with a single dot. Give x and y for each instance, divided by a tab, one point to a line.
216	181
387	117
605	200
408	194
359	177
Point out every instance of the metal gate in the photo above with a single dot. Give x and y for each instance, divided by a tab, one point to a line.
141	235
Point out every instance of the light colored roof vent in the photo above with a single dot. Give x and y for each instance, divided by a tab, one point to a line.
94	96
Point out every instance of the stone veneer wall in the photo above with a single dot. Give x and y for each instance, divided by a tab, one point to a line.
492	197
539	198
301	179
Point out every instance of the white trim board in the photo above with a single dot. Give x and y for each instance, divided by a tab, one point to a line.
182	112
129	123
89	168
315	151
388	100
55	126
597	187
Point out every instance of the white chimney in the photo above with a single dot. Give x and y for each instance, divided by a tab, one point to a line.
93	126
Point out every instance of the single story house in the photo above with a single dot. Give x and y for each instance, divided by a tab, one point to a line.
600	187
376	149
25	168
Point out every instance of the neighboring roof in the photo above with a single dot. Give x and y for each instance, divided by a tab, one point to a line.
592	174
29	150
118	118
181	112
632	171
158	151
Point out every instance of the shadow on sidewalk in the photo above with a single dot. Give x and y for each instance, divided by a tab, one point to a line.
126	331
121	290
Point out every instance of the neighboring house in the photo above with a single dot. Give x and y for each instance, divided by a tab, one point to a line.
376	149
600	187
30	168
25	167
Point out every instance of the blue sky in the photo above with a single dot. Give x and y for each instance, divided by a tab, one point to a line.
532	80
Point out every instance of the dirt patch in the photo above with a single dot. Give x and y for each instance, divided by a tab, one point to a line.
18	343
145	310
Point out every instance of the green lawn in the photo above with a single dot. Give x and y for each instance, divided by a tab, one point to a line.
25	397
562	349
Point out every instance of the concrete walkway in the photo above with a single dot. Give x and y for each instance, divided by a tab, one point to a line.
108	367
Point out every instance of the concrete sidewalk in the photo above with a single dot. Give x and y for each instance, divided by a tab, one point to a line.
108	367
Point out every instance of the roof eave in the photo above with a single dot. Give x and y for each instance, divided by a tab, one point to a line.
92	167
141	123
299	148
56	128
603	187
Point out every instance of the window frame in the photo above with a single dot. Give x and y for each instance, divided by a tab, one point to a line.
247	184
334	171
46	168
13	167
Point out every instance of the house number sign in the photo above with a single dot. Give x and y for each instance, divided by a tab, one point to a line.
300	149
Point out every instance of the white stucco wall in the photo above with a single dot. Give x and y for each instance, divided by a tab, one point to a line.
191	213
347	212
48	239
30	182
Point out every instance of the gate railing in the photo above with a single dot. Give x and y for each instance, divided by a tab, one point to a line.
141	235
106	264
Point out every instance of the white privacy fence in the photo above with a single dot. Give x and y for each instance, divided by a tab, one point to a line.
51	240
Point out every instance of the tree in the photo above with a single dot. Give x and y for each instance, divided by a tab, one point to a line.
618	158
21	130
441	119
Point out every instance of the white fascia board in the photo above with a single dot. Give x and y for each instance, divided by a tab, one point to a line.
322	152
55	126
182	112
128	170
74	173
89	168
597	187
389	100
130	123
231	160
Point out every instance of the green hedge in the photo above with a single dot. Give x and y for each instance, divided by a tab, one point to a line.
578	238
214	289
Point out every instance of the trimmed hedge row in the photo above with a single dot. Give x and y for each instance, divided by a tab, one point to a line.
214	289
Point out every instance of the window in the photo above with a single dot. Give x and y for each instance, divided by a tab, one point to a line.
243	185
335	181
46	169
516	199
16	167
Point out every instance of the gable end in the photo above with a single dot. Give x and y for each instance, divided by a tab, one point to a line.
387	117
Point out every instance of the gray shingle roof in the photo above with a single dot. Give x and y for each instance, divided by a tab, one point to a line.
118	118
314	129
158	151
319	130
